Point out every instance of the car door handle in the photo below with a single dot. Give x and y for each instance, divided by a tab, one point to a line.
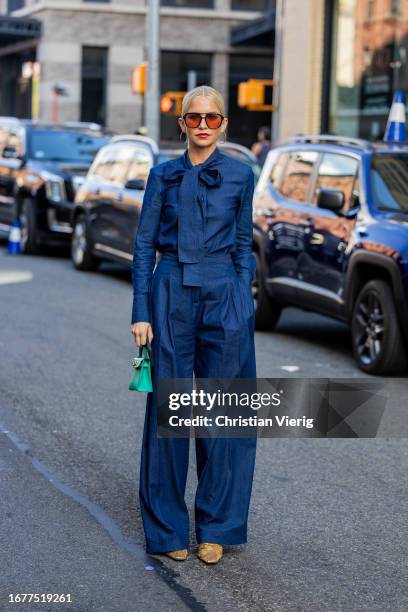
316	239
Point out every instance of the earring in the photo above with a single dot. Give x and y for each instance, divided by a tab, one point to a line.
225	138
181	134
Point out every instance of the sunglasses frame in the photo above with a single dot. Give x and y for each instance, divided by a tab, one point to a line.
205	118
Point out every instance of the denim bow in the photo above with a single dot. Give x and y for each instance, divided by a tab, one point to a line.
191	214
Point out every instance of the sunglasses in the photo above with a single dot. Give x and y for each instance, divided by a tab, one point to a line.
213	120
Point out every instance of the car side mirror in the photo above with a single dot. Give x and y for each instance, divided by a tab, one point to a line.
135	184
331	199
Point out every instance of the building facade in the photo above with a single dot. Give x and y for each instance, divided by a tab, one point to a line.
367	62
340	60
88	49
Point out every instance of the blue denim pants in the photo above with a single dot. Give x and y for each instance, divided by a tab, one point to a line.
207	329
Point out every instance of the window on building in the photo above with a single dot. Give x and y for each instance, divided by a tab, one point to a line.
296	181
188	3
396	8
368	63
251	5
93	84
337	172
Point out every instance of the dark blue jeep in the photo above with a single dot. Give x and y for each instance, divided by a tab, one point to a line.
331	236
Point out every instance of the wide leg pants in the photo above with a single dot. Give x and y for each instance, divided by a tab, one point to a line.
208	330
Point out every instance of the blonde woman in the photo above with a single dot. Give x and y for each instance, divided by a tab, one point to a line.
197	311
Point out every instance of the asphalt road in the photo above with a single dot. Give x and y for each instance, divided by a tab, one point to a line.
328	526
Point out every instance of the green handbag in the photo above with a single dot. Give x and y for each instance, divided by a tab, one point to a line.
141	373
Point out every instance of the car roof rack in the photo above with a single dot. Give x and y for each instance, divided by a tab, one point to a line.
332	139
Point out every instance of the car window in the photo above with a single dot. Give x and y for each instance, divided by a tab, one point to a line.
4	136
277	169
112	164
389	176
337	171
64	146
15	140
298	172
139	165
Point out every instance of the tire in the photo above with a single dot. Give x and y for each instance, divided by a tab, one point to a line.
376	336
267	311
28	223
81	252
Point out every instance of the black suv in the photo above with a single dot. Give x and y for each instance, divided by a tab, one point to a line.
331	236
41	167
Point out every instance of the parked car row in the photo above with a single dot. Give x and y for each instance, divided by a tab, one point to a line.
330	215
41	168
108	204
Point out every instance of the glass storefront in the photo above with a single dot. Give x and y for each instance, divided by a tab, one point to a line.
368	63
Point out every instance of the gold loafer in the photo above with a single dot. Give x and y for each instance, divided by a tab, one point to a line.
177	555
210	553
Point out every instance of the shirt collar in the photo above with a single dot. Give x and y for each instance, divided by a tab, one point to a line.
215	155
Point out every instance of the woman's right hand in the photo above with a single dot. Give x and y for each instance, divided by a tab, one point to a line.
142	331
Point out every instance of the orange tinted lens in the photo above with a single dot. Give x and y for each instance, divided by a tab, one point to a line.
213	120
192	119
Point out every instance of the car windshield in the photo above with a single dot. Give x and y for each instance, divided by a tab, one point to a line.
60	145
389	182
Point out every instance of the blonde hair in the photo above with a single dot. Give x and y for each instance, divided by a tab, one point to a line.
203	90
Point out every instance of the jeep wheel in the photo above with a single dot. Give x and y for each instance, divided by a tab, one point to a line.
377	341
28	225
81	254
267	311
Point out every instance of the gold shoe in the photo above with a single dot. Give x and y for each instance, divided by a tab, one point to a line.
178	555
210	553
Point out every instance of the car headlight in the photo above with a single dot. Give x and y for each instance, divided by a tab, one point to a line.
54	187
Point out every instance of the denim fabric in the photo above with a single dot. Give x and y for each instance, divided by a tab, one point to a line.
224	214
202	314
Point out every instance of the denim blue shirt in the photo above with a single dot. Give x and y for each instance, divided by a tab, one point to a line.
227	213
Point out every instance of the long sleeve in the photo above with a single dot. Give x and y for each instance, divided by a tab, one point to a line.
243	257
144	253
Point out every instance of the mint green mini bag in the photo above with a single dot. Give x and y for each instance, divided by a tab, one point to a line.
142	371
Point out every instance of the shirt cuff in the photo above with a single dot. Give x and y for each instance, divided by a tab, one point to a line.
141	310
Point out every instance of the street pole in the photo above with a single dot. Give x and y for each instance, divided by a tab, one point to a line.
152	103
277	68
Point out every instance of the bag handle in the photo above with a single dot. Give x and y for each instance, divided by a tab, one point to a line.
148	350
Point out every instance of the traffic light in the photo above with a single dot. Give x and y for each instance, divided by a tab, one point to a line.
253	94
138	79
171	101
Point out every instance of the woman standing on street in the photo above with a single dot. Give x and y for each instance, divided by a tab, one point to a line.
197	310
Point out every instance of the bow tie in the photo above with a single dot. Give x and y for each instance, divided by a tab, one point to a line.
190	234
